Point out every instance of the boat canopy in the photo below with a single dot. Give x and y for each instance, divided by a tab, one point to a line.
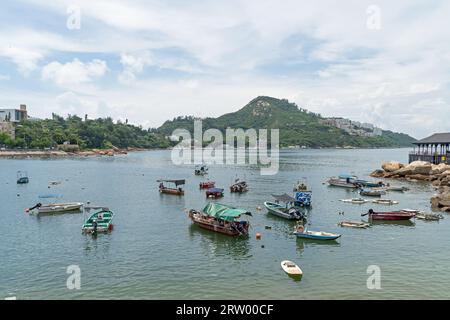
284	198
215	190
223	212
177	182
347	176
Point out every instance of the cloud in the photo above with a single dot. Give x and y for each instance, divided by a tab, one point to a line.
73	73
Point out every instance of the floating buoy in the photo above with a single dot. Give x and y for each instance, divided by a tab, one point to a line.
258	208
258	236
268	227
262	246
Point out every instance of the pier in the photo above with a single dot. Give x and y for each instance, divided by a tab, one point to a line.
434	149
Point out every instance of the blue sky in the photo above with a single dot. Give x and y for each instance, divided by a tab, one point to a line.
149	61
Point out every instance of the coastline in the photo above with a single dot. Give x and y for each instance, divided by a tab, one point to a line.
60	153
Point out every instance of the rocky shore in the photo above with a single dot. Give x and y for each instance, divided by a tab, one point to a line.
437	175
60	153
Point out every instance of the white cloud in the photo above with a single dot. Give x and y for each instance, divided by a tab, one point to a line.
73	73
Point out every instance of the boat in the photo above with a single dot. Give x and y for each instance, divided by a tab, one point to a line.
291	268
286	211
214	193
201	170
393	215
354	224
239	186
99	222
343	183
372	192
398	189
207	184
410	210
355	200
429	216
222	219
301	232
360	182
22	177
385	201
302	195
55	208
177	190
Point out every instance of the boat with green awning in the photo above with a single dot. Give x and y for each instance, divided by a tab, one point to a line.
221	218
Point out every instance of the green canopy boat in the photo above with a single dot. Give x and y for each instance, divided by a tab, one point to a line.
100	221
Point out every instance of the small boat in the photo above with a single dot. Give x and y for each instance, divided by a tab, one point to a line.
177	190
394	215
354	224
100	221
286	211
372	192
355	200
291	268
222	219
22	177
214	193
385	201
429	216
201	170
301	232
398	189
239	186
55	208
343	183
368	184
302	195
410	210
207	184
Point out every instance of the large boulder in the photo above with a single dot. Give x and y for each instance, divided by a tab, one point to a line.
378	174
420	167
439	168
392	166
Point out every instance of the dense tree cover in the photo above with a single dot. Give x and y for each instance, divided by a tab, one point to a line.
297	126
87	133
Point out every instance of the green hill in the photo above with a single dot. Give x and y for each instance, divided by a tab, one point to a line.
297	126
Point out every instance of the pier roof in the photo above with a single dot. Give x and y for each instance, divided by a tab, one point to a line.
437	138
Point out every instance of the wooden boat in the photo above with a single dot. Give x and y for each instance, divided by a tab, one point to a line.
177	190
286	211
214	193
410	210
201	170
334	182
302	195
385	201
22	177
207	184
55	208
429	216
355	200
301	232
372	192
100	221
354	224
239	186
393	215
222	219
291	268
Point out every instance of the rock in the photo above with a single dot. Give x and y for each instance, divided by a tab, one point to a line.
420	167
378	174
403	172
446	173
419	177
440	168
445	209
392	166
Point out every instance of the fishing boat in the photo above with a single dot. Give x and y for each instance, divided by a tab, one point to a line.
214	193
302	195
398	189
22	177
410	211
355	200
429	216
343	183
385	201
372	192
291	268
99	222
354	224
222	219
176	190
393	215
207	184
286	211
55	208
301	232
239	186
201	170
369	184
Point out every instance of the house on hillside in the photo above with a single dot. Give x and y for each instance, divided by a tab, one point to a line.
14	115
434	149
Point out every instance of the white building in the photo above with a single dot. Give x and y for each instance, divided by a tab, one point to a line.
14	115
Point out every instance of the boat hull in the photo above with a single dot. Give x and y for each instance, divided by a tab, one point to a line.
212	225
342	184
59	208
275	210
391	216
306	235
171	191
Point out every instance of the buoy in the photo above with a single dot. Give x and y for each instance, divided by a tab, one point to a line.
258	208
268	228
262	246
258	236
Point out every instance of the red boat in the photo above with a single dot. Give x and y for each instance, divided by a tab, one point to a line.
207	184
214	193
394	215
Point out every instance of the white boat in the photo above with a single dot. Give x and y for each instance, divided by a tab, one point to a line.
291	268
55	208
355	200
385	201
354	224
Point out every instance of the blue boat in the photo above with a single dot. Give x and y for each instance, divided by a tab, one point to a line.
301	232
22	177
302	195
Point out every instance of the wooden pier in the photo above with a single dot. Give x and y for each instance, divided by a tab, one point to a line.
434	149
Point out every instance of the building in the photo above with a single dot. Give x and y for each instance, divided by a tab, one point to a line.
354	128
434	149
14	115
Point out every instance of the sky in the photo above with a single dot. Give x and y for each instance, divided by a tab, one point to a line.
382	62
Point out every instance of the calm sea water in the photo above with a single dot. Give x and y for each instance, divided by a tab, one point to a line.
155	253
